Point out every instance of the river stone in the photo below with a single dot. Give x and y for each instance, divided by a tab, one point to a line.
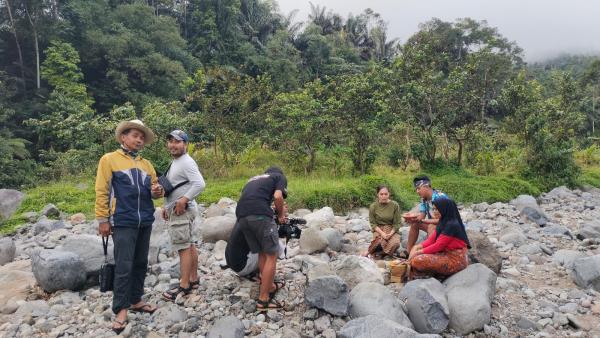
470	293
589	230
329	293
375	299
586	272
58	270
334	238
50	210
217	228
320	219
10	200
523	201
374	326
7	250
566	257
312	240
356	269
89	249
535	215
483	251
426	305
170	314
227	327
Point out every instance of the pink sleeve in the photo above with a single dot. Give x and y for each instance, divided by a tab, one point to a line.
439	245
430	240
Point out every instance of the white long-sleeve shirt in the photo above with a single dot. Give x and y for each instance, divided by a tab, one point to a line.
184	168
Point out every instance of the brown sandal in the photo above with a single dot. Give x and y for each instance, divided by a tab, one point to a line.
122	326
145	308
266	305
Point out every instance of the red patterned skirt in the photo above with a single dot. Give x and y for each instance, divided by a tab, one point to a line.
388	246
441	264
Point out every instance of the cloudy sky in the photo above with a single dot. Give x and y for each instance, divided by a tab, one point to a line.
543	28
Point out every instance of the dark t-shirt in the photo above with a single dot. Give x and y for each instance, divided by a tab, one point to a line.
236	251
257	195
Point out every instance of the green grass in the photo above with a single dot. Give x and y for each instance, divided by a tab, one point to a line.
341	193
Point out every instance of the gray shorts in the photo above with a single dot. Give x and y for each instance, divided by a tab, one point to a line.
180	229
260	233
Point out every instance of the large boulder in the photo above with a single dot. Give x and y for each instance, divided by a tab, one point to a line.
375	299
535	215
566	258
16	279
561	193
227	327
586	272
329	293
322	218
483	251
334	238
358	225
44	225
311	241
89	249
470	293
375	326
159	240
213	211
589	230
7	250
170	315
58	270
514	236
556	231
217	228
523	201
356	269
10	200
426	305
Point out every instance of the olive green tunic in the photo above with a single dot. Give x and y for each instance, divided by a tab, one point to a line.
385	214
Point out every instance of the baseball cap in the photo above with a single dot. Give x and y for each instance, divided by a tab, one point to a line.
179	135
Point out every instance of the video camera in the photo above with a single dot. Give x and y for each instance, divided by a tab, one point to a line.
290	229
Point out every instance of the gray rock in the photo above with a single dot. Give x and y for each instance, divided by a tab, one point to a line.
159	241
561	193
534	215
374	326
557	230
480	207
476	226
530	249
219	250
35	308
525	323
311	241
358	225
227	327
355	269
319	270
50	210
10	201
322	218
89	249
586	272
566	257
7	250
426	305
334	238
30	216
404	236
375	299
217	228
329	293
44	225
514	236
322	324
213	211
170	314
483	251
523	201
57	270
589	230
470	293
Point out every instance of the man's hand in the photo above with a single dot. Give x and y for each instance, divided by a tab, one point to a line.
181	205
282	219
104	229
157	190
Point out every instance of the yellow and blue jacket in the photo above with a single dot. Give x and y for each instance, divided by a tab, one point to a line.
123	190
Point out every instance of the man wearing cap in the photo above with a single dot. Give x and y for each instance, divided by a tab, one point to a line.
424	220
180	210
125	186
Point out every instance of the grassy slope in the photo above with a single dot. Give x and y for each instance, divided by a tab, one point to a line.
341	193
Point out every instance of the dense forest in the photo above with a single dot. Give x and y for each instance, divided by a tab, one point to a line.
333	95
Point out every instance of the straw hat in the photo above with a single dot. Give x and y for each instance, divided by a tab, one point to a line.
134	124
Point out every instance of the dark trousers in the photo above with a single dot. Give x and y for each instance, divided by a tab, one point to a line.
131	263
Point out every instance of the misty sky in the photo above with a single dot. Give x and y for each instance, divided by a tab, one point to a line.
543	28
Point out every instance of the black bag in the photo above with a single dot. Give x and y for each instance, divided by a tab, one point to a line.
107	270
168	188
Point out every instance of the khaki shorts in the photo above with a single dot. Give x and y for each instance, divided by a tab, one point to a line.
180	230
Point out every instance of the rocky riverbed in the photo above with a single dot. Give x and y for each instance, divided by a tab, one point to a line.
535	273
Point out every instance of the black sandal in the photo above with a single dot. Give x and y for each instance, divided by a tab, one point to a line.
195	284
171	295
279	284
122	326
266	305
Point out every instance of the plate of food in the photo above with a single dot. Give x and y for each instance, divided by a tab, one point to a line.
409	216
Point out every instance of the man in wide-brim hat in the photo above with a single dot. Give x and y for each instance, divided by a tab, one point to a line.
125	186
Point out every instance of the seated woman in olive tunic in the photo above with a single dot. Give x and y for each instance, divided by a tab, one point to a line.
384	216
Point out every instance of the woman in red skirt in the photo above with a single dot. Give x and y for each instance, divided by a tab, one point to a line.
444	252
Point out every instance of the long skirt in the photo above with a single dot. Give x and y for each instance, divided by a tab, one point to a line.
388	246
441	265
